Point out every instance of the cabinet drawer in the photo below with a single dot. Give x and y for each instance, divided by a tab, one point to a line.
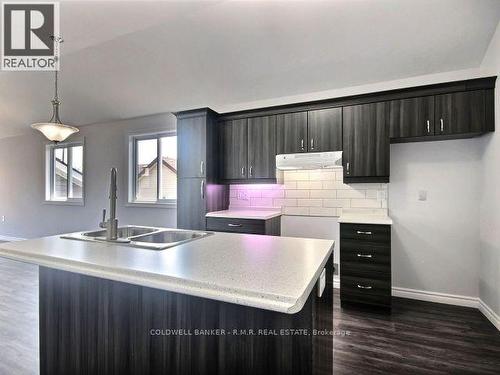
365	290
370	271
250	226
366	232
365	252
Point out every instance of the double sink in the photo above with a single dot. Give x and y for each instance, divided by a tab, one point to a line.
143	237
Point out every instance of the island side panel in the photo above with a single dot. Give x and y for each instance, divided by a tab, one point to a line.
323	321
90	325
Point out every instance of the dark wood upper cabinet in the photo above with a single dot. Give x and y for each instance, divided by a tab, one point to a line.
262	147
234	153
291	133
198	147
412	117
461	112
365	143
191	136
324	130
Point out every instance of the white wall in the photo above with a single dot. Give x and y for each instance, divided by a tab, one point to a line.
489	280
435	243
22	181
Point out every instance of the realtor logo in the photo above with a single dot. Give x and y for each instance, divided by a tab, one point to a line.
28	36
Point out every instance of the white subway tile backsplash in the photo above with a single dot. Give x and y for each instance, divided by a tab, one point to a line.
351	193
323	193
290	185
261	202
366	203
337	185
323	211
315	193
309	202
296	211
255	193
309	184
285	202
340	203
273	193
297	193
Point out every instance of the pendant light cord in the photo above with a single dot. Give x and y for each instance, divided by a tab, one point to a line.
56	96
57	42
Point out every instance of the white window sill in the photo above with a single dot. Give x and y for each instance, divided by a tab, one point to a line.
151	205
65	203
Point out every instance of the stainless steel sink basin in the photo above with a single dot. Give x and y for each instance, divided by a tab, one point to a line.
166	238
122	232
143	237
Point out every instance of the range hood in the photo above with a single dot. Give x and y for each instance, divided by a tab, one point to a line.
309	160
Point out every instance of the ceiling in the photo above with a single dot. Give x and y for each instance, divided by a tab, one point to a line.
126	59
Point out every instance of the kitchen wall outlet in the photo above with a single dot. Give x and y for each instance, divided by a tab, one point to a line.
242	195
422	195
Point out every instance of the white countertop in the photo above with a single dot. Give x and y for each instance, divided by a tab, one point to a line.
365	216
247	213
268	272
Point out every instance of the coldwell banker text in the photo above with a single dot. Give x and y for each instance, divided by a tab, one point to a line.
28	36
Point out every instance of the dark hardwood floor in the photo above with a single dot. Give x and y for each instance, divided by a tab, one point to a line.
417	338
18	318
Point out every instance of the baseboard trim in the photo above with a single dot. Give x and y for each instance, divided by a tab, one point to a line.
9	238
449	299
489	313
423	295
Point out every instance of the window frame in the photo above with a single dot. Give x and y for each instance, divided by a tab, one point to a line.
50	173
132	183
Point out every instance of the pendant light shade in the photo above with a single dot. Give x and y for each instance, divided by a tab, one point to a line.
54	130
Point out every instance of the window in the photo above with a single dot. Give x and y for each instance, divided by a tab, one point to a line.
153	169
64	173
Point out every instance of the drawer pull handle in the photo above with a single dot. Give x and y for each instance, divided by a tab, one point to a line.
363	232
364	255
234	225
364	287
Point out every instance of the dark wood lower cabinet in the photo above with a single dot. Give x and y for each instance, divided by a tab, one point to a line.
271	227
93	326
365	264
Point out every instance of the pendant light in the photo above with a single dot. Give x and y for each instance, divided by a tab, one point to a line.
54	130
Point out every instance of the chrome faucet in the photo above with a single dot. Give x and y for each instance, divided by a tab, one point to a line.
111	224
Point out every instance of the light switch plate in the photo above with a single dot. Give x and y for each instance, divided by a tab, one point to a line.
422	195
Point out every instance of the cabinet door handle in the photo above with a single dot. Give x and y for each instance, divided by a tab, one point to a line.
347	167
202	167
364	232
428	127
242	171
234	225
312	143
302	144
442	125
250	171
202	189
364	286
364	255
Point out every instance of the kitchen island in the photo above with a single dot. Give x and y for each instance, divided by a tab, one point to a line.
226	303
